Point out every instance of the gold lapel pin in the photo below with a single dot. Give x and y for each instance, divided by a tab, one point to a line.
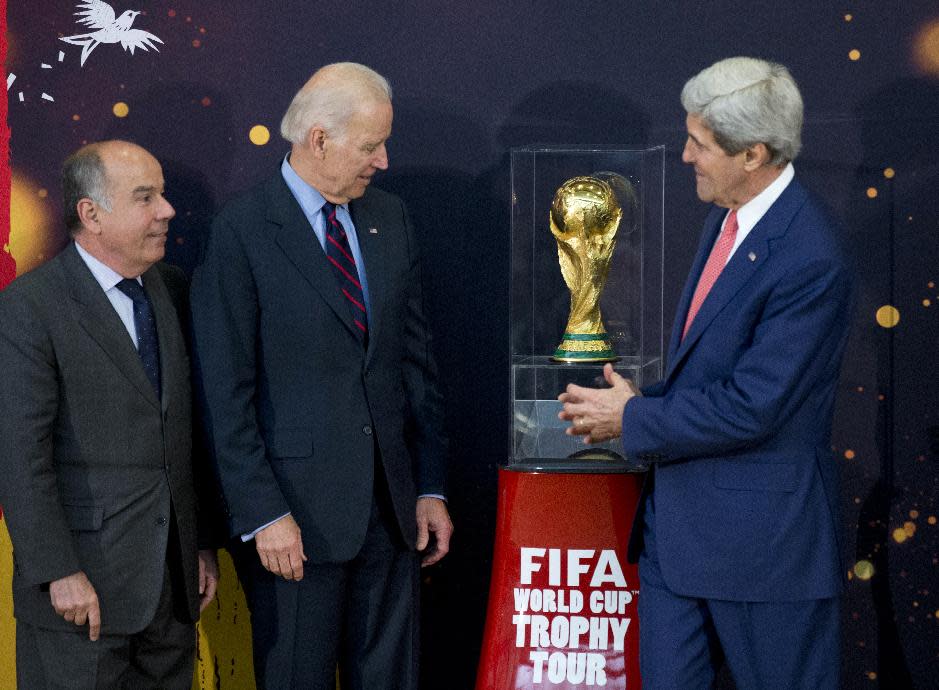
751	256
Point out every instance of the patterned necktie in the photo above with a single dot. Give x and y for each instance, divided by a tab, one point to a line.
148	347
339	255
712	269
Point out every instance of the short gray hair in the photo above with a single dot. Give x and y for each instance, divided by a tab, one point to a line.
330	98
83	177
745	101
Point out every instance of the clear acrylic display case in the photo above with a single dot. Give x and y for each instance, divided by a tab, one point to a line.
631	302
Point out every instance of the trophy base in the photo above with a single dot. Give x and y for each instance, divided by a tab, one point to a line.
584	347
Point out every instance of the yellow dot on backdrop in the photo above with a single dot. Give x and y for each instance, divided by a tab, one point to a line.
926	48
872	675
854	55
926	302
914	514
872	192
864	570
909	528
931	519
849	454
120	109
42	193
259	135
888	316
31	229
900	535
848	17
889	173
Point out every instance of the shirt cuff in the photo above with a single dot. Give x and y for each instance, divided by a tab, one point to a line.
250	535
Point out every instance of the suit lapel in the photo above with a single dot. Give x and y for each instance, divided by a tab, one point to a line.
297	240
97	317
168	333
745	263
371	245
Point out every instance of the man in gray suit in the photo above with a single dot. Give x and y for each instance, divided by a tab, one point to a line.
321	398
95	442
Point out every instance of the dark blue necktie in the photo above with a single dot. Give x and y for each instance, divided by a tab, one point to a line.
148	347
339	255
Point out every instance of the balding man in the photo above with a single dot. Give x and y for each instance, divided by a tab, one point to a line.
738	535
95	442
321	398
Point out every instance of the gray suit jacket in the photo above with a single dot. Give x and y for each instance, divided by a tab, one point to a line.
92	462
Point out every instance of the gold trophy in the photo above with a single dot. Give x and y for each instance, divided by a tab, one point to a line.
585	216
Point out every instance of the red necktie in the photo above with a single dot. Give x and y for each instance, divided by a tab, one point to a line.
712	269
339	255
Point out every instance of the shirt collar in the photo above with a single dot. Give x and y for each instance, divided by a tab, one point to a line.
106	276
751	212
309	198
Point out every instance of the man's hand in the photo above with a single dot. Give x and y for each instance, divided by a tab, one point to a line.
74	598
432	517
208	577
281	549
597	413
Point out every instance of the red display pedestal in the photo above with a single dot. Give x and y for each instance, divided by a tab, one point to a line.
562	601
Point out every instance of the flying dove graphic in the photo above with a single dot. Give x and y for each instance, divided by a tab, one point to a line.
99	15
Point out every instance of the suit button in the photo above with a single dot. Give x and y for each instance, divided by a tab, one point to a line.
161	520
367	430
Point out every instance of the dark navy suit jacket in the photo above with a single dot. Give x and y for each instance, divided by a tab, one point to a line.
294	404
746	491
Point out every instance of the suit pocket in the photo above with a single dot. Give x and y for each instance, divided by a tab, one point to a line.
755	476
84	518
290	443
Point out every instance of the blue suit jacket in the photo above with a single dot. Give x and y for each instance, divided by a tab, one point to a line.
745	488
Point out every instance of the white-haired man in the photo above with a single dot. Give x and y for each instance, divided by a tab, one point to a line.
320	398
737	535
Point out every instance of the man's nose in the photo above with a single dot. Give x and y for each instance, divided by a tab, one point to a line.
380	159
166	211
686	156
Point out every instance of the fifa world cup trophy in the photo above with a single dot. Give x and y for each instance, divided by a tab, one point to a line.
585	216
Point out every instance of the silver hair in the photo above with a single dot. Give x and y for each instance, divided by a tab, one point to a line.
745	101
83	177
331	102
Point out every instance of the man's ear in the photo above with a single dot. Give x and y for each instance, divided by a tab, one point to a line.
756	156
316	140
88	213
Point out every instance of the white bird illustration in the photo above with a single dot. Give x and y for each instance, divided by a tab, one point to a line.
99	15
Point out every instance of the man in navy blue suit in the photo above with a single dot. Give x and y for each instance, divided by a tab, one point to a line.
320	398
737	535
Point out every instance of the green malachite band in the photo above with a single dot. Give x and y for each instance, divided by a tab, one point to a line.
595	356
584	336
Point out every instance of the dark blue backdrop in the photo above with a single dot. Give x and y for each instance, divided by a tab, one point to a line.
472	80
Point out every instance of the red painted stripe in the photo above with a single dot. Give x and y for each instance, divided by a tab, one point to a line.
344	272
338	246
353	300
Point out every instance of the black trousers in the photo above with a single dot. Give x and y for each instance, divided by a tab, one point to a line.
361	615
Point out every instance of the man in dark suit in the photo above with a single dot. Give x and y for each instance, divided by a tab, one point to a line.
739	529
321	398
95	442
